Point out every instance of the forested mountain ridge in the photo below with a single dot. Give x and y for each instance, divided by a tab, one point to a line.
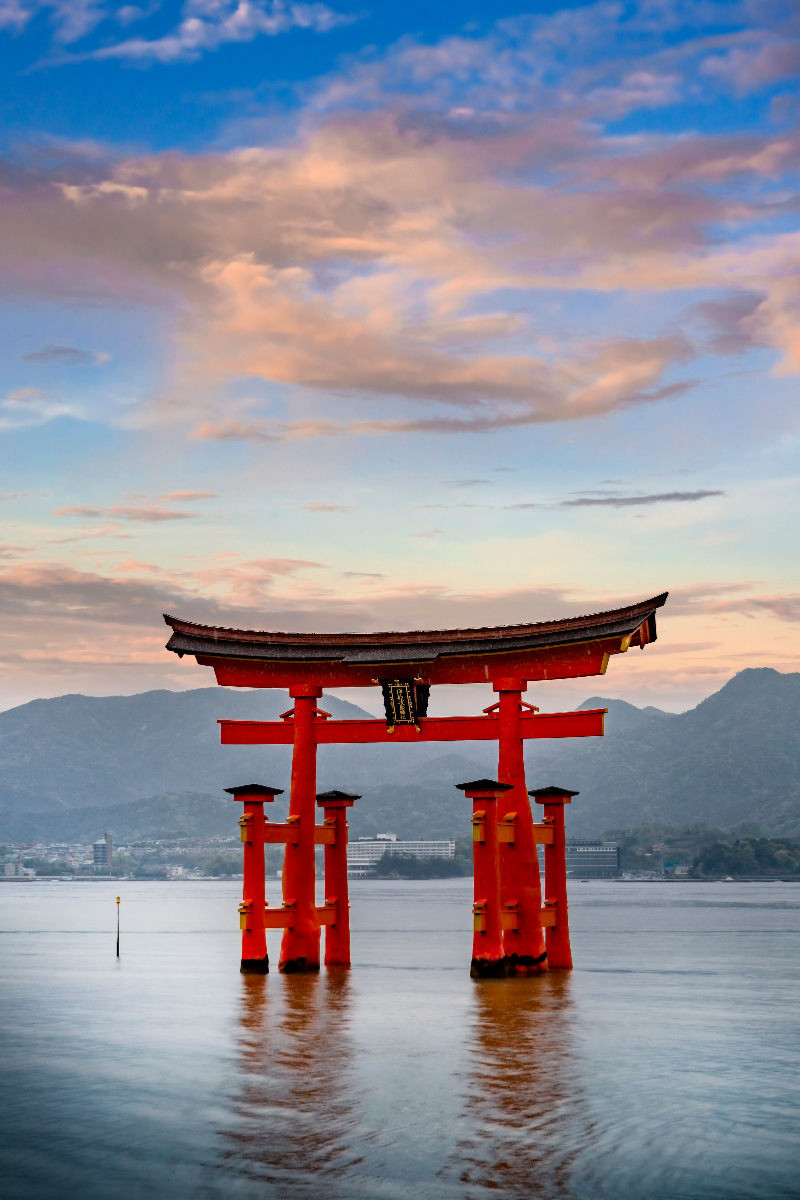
732	761
81	751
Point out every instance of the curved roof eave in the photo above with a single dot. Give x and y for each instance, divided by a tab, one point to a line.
421	645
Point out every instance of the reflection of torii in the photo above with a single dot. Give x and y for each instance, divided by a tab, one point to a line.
523	1122
296	1111
508	657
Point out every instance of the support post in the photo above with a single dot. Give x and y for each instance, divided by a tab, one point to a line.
520	886
553	799
334	805
488	960
300	945
255	960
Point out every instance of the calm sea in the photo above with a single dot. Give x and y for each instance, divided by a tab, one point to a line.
665	1066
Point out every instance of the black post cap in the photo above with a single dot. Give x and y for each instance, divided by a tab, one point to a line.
485	785
545	792
335	794
254	789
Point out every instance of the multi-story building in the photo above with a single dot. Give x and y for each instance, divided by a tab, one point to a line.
103	852
15	870
363	854
589	860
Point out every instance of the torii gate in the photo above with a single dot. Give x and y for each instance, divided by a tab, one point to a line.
509	919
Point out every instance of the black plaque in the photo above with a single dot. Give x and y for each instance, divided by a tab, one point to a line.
404	701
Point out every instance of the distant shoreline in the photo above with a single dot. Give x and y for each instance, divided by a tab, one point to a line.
380	879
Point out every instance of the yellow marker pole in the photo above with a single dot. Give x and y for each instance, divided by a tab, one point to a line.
117	926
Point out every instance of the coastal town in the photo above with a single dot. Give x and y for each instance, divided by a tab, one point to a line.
219	857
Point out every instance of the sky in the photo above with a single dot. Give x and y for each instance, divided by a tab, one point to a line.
332	316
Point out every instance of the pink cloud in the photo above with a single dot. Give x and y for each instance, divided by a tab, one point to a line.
14	15
122	512
189	496
103	628
750	68
389	266
328	508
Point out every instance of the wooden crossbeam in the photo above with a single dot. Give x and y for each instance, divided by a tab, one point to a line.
279	834
586	723
279	918
543	835
509	918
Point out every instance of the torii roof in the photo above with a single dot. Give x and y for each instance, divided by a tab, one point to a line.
266	658
191	638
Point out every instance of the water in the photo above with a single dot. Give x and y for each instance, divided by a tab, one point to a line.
663	1068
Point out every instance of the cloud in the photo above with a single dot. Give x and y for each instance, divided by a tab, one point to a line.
24	397
104	630
751	68
61	593
122	512
13	15
209	24
205	25
98	533
785	608
368	193
187	496
497	392
393	266
461	504
732	319
27	407
70	20
714	599
275	594
232	589
620	501
147	512
601	59
318	507
65	354
466	483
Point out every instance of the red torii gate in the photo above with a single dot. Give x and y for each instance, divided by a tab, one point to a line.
407	665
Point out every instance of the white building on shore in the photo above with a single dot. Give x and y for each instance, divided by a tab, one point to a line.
363	854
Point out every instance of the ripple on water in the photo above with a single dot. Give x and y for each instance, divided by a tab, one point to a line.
663	1068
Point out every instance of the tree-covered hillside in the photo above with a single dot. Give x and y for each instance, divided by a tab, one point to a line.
732	761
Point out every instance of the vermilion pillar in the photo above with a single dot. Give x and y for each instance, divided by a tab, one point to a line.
300	945
488	961
553	799
334	805
255	960
520	886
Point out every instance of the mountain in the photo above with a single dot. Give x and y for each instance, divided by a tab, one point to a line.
732	760
83	751
624	716
187	814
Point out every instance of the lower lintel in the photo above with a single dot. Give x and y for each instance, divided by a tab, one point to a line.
586	723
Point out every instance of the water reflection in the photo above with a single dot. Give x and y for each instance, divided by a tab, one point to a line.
293	1117
524	1109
